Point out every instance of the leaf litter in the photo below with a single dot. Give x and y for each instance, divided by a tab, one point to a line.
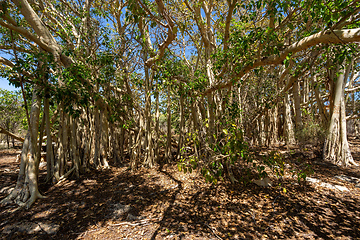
167	204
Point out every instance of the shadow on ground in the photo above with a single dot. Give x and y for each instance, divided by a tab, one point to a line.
158	204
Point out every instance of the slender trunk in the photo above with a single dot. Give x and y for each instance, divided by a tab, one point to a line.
157	128
168	154
39	148
49	148
196	128
298	121
289	126
97	137
118	144
74	146
149	151
86	140
65	143
60	149
181	127
323	114
105	138
211	118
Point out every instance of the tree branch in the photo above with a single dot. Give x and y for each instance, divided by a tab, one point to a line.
325	37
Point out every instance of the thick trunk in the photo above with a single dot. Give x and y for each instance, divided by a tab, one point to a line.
336	147
26	190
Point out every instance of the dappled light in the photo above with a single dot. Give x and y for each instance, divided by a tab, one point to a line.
164	203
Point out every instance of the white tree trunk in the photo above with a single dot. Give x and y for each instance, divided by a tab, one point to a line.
26	190
336	147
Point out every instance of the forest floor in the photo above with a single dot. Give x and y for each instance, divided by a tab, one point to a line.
167	204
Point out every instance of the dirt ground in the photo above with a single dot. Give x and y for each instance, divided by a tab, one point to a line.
167	204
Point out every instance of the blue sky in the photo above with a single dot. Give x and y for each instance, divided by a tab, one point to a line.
4	84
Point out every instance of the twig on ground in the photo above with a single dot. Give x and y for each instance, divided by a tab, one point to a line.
141	222
253	216
212	230
84	233
273	204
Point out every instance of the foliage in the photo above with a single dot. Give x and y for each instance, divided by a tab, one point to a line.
12	117
310	132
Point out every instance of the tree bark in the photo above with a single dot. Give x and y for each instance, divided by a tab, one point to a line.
298	121
181	126
289	126
336	147
4	131
49	148
168	155
26	190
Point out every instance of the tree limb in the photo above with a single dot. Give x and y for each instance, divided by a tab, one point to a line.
4	131
325	37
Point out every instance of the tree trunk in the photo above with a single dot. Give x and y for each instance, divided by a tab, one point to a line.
149	153
289	126
168	155
105	138
157	127
97	127
4	131
74	146
336	147
323	114
26	190
297	107
181	126
49	148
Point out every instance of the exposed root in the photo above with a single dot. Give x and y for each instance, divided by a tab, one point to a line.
63	177
22	197
353	163
10	198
